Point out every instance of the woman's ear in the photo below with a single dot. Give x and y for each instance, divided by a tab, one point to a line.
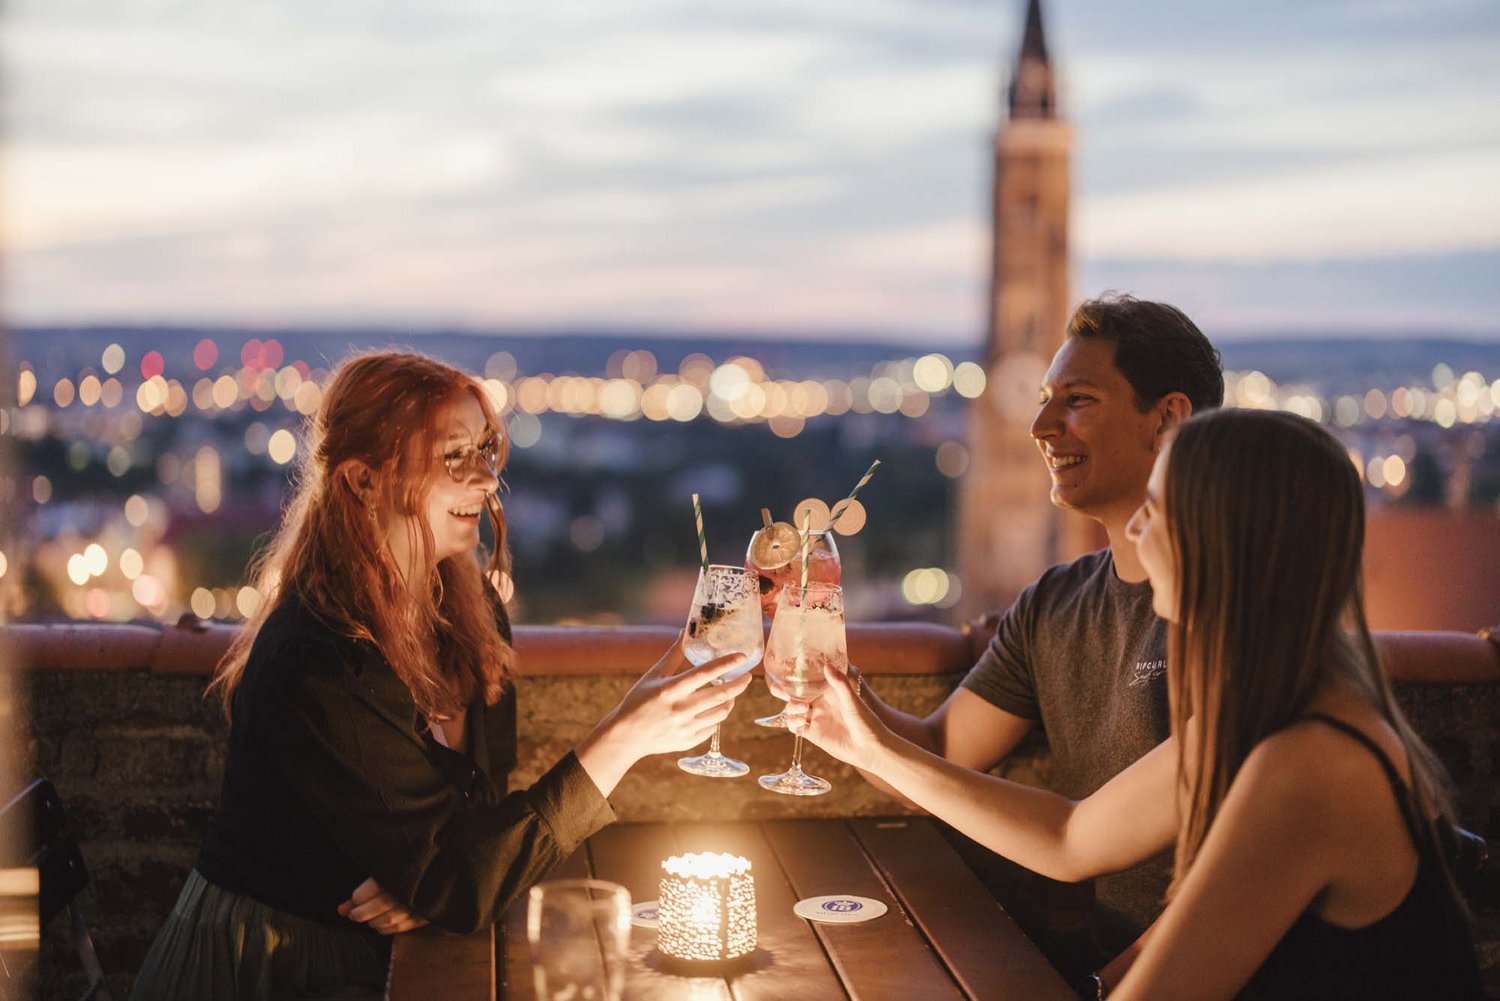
359	479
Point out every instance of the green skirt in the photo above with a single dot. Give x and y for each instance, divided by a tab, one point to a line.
229	947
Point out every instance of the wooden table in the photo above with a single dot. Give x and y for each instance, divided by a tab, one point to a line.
944	936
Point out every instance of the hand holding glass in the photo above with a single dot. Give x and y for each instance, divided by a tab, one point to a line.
807	638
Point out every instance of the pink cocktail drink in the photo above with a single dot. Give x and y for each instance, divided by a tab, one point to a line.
822	568
775	558
806	642
807	639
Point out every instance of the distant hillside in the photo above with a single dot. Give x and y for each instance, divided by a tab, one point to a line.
62	350
1332	363
1359	362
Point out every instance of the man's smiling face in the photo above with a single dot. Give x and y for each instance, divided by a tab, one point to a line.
1097	443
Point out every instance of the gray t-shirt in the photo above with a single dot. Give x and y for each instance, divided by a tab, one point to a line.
1082	652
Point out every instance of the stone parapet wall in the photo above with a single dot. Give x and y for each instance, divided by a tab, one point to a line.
137	752
116	717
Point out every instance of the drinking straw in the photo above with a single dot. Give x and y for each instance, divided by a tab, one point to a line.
838	509
702	539
806	542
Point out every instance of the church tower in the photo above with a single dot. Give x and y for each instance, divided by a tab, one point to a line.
1009	531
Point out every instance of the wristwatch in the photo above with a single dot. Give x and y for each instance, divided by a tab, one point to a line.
1491	633
1091	988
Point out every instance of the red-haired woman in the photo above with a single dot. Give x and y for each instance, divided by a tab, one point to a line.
372	719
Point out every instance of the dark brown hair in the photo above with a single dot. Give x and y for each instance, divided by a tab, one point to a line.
1265	512
1157	348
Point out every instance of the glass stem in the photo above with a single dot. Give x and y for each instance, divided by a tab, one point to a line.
796	768
713	744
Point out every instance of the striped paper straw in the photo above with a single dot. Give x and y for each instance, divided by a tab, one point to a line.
806	542
838	509
702	539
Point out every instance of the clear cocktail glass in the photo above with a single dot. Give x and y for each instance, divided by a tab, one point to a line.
773	574
725	618
807	639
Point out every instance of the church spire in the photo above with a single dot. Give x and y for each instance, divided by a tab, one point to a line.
1009	530
1031	92
1034	42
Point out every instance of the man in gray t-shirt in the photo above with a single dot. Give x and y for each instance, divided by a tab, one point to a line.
1081	651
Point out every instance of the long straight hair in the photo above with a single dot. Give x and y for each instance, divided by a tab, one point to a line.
438	633
1266	516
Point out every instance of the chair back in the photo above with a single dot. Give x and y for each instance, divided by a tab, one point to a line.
48	845
1468	857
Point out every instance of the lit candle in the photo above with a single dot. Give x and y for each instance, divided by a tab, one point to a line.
706	908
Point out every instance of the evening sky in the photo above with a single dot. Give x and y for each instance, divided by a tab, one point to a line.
791	166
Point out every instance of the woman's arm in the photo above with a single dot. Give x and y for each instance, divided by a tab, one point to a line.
1129	819
667	707
344	740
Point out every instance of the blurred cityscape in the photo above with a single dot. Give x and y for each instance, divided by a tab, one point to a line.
150	463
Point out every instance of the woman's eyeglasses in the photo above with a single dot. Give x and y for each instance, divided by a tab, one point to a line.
462	463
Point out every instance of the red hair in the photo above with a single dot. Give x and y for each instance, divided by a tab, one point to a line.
379	416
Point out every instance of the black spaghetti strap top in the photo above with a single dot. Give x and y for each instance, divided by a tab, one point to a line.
1421	950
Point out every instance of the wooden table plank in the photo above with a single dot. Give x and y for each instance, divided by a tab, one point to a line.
464	965
987	952
631	854
789	961
944	937
513	952
886	959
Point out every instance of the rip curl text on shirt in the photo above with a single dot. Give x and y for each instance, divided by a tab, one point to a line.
1146	671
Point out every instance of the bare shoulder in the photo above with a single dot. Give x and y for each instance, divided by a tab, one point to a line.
1317	748
1313	769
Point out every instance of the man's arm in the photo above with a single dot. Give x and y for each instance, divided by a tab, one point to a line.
1438	657
965	729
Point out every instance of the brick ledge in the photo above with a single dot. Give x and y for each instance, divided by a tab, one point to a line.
194	647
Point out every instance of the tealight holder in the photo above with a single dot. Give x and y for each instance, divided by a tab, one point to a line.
706	910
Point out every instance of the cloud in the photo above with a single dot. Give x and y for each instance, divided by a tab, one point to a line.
1402	294
1418	204
783	163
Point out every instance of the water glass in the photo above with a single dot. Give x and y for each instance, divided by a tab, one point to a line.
579	930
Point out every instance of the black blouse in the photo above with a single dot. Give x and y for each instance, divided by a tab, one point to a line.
333	777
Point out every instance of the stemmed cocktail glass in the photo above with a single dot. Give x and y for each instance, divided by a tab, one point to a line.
807	638
725	619
771	559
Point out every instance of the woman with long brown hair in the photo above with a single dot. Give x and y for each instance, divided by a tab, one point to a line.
1303	807
372	714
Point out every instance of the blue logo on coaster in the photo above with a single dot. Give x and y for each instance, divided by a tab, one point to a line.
843	906
645	914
